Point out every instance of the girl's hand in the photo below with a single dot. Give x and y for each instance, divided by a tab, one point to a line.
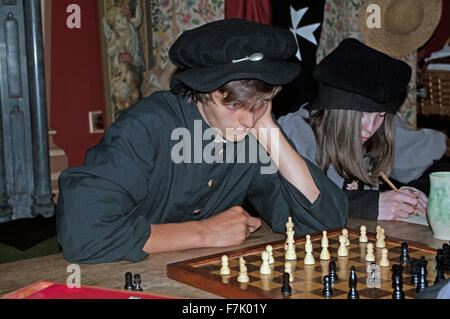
423	199
393	205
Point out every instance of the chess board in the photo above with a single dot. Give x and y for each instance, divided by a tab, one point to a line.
204	272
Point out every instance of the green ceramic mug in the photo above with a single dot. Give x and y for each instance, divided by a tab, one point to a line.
439	205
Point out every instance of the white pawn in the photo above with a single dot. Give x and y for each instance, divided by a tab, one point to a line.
369	254
243	277
345	233
309	258
288	269
269	249
265	267
363	234
225	269
342	251
324	254
380	239
384	261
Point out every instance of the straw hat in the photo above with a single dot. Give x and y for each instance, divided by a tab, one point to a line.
405	24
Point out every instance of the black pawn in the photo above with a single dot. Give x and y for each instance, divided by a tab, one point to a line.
333	275
286	288
422	282
128	281
404	256
414	271
137	282
327	291
352	282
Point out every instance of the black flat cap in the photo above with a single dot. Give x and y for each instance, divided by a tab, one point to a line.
232	49
355	76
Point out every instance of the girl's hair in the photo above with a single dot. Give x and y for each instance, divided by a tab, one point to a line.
338	136
250	94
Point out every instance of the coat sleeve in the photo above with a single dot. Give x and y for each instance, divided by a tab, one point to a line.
276	199
415	151
96	217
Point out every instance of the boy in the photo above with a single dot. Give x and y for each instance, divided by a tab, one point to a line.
142	190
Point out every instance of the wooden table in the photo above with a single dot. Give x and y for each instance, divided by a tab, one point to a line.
19	274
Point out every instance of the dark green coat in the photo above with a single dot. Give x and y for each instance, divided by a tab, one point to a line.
130	181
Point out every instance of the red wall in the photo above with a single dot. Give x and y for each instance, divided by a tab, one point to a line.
77	78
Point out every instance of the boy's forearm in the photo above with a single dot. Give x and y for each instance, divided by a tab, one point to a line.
170	237
290	164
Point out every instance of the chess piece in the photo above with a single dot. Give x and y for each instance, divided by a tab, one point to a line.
289	232
422	281
225	269
324	254
369	254
286	289
265	267
397	283
380	239
332	272
345	233
342	251
137	282
446	253
327	291
309	258
363	234
384	262
396	269
440	266
288	269
243	276
352	282
289	225
378	230
374	278
404	256
128	281
440	270
414	271
290	253
269	249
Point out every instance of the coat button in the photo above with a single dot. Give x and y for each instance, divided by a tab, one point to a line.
211	183
196	212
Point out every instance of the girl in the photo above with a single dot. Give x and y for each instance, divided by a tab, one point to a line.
352	133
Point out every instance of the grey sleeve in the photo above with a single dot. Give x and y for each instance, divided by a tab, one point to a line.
415	150
300	133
